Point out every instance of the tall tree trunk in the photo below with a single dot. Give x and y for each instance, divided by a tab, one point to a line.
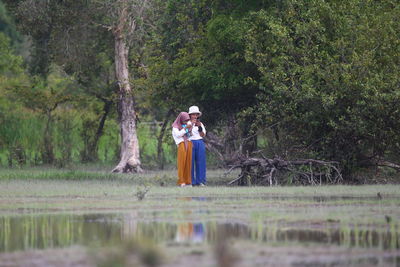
249	140
48	154
89	153
129	157
100	129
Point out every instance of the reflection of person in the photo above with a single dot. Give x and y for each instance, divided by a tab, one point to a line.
198	233
184	232
190	232
181	130
199	149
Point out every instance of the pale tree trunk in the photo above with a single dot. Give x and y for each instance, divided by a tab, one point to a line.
130	157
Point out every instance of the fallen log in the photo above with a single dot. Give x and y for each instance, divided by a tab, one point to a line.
267	171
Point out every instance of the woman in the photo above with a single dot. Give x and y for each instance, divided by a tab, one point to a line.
181	130
199	150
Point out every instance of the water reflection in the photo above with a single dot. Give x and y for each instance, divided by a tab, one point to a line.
288	197
190	232
48	231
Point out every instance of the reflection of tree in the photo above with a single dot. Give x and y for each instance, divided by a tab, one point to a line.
129	225
40	232
50	231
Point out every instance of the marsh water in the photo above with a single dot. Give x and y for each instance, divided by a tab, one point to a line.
266	227
24	232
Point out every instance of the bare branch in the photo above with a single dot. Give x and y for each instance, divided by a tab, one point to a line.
306	171
392	165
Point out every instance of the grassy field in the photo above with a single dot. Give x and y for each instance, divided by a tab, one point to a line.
245	226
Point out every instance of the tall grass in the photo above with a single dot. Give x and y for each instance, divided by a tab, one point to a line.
22	130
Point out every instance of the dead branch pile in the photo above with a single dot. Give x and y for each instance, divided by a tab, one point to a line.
265	171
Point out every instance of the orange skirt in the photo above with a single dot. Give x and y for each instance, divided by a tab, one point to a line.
184	162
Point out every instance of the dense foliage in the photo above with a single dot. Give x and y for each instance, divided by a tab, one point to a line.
330	77
294	79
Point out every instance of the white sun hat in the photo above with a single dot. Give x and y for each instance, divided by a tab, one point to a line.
194	109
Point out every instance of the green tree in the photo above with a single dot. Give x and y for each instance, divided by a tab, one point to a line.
69	32
199	59
125	19
330	79
45	97
16	132
7	26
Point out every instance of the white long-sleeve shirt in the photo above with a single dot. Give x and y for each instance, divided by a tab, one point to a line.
195	132
178	135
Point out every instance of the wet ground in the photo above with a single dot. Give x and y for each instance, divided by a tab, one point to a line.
52	226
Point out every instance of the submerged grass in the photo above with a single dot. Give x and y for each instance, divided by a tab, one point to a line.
350	213
38	187
248	204
156	197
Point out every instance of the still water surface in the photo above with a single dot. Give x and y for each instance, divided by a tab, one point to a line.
52	231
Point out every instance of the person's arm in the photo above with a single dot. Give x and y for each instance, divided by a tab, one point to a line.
178	133
203	130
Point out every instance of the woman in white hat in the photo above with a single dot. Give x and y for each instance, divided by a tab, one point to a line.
198	148
181	130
